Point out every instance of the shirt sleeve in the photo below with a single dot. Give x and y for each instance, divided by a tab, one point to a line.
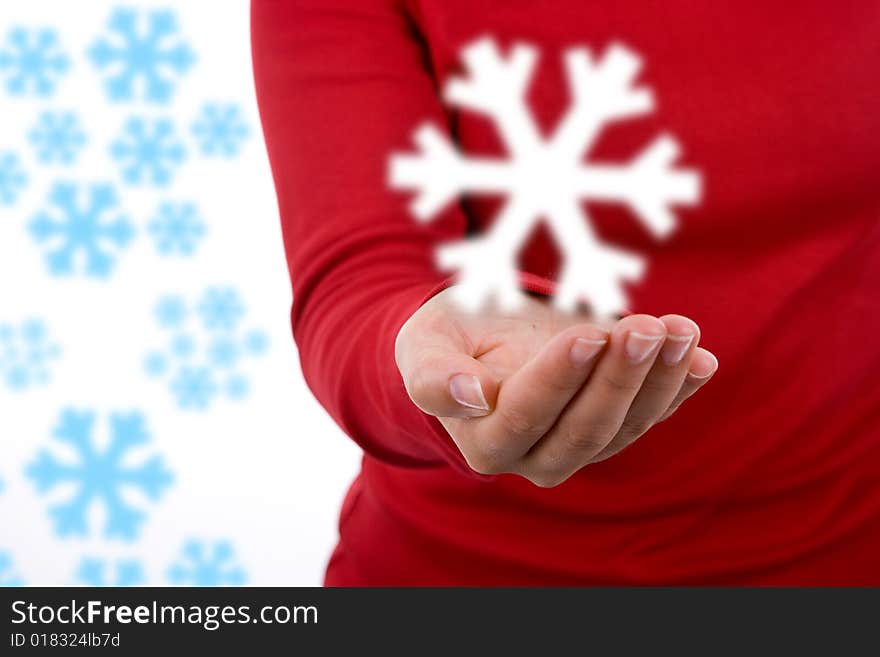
341	84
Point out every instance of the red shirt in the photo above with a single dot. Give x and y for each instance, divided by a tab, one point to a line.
771	474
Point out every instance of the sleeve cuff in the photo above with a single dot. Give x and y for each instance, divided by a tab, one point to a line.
527	281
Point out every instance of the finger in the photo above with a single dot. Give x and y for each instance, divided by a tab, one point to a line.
703	366
441	376
660	386
595	415
530	401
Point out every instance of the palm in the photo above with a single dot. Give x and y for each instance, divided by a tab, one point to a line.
504	342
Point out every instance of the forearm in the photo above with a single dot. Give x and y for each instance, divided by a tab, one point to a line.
340	83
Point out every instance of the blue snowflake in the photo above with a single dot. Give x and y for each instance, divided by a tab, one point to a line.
148	151
100	475
171	311
223	352
177	228
237	387
183	345
205	363
82	229
12	178
99	572
256	342
26	353
204	563
155	364
141	62
57	137
194	387
220	130
32	61
8	577
220	309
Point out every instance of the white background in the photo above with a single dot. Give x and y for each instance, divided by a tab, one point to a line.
267	473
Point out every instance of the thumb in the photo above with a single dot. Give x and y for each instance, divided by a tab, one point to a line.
442	379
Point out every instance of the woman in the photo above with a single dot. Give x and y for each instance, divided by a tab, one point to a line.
494	443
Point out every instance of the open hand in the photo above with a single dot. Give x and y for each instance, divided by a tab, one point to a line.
541	393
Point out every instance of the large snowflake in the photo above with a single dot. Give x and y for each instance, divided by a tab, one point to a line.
99	475
546	178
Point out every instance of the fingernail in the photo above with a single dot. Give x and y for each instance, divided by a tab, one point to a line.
675	348
641	345
584	350
467	391
706	373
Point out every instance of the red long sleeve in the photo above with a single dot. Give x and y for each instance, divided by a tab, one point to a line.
771	474
341	82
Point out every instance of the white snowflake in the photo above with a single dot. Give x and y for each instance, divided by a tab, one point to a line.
546	178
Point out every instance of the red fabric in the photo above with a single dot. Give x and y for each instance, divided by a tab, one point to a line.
771	475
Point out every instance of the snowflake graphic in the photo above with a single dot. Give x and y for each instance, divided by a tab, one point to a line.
26	353
237	387
206	353
84	237
148	151
223	351
143	54
171	311
12	178
177	229
183	345
57	137
93	571
194	387
32	61
204	563
547	179
8	577
100	476
256	342
220	309
220	130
